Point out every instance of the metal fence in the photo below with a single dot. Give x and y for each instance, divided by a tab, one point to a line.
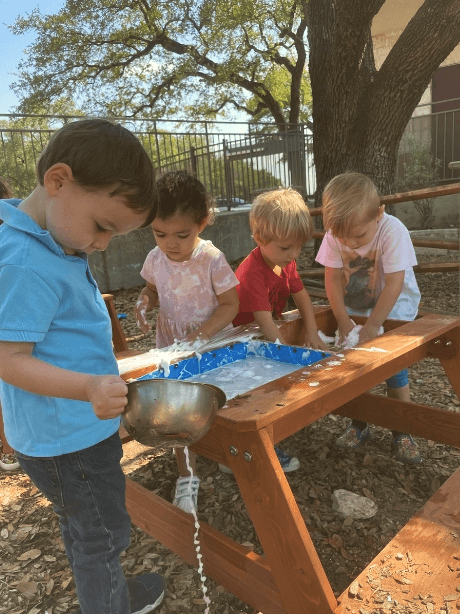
430	142
234	160
237	160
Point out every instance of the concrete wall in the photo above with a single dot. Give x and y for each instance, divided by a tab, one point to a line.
446	213
120	265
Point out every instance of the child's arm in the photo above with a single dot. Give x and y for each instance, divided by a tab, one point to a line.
305	307
106	393
385	303
334	291
225	312
146	301
270	330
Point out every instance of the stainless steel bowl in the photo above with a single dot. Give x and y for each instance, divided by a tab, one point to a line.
170	413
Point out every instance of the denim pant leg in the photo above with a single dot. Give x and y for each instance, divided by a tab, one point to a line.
87	490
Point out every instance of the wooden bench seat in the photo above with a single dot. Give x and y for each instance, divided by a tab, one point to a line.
422	559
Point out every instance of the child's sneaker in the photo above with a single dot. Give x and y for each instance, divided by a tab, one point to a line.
186	497
145	593
8	462
353	437
225	469
288	463
406	450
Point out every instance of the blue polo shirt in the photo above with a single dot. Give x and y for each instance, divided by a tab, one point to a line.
51	299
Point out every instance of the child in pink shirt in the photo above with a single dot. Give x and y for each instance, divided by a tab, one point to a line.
191	282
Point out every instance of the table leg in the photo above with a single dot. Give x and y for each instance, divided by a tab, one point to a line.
294	563
447	350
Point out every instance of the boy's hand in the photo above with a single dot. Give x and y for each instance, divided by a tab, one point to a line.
313	340
107	395
345	329
141	308
368	332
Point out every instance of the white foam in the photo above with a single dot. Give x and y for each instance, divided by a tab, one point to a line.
155	357
197	544
243	375
372	349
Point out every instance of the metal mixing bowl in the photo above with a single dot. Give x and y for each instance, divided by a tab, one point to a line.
170	413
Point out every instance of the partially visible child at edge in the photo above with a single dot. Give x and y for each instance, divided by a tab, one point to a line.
8	460
280	223
368	256
192	283
59	383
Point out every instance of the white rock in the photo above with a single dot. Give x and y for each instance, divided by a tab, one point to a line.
352	505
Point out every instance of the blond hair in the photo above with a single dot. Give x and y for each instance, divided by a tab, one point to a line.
349	199
280	215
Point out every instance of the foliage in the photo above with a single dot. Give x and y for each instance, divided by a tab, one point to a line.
278	82
22	144
420	171
189	58
197	58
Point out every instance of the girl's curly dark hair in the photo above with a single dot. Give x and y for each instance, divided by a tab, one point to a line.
182	193
5	190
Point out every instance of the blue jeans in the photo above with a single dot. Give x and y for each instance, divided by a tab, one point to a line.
399	380
87	490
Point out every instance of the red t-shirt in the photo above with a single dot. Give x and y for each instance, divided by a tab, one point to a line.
261	289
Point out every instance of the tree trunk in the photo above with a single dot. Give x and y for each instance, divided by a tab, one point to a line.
359	113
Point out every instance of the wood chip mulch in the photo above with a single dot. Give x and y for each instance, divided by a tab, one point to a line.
34	573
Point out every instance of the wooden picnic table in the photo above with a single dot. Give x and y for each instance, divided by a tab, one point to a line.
289	578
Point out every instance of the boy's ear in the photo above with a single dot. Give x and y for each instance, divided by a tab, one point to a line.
256	238
380	213
56	176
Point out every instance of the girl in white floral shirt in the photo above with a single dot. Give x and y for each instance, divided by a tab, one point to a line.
192	283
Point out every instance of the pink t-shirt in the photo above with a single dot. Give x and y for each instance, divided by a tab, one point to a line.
364	268
261	289
187	291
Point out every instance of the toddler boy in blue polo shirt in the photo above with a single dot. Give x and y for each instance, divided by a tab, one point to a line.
59	383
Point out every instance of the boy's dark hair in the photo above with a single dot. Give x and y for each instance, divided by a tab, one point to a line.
103	154
5	190
183	194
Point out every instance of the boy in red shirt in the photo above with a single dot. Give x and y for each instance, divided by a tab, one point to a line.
280	224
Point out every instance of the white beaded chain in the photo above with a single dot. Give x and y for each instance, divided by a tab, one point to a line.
196	541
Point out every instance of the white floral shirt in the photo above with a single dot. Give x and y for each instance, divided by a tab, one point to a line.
187	291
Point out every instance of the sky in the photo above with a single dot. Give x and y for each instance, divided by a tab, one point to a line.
13	46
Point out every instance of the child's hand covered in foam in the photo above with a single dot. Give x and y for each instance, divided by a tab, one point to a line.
359	334
140	310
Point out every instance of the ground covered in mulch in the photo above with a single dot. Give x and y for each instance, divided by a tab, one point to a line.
34	573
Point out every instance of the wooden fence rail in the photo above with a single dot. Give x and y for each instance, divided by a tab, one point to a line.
404	197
